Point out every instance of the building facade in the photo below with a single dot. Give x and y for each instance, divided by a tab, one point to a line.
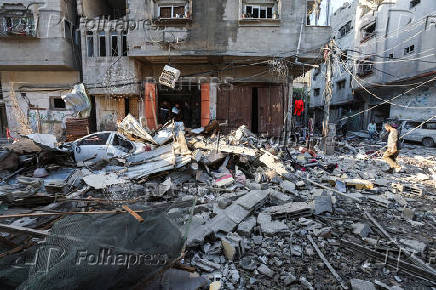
388	63
236	58
343	23
397	62
39	61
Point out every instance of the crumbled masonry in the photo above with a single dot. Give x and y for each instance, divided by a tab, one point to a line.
244	213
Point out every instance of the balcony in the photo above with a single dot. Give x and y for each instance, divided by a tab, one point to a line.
17	27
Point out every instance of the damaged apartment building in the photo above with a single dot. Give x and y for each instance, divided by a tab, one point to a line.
39	61
388	63
232	55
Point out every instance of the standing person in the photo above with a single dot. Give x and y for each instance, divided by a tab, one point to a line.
164	112
372	130
393	150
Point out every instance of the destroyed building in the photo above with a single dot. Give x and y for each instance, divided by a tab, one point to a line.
222	48
387	61
39	61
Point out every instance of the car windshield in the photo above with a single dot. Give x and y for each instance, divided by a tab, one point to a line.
96	139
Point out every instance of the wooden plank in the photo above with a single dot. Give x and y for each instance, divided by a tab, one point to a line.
22	230
205	104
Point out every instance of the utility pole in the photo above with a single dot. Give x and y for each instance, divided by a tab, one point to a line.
328	58
288	118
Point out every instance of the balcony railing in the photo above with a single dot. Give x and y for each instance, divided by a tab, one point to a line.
17	26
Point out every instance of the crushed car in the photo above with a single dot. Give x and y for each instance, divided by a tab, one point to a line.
103	146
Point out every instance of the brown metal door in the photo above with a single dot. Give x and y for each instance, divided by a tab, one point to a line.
270	110
234	106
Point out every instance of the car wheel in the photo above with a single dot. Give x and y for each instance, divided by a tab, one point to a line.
428	142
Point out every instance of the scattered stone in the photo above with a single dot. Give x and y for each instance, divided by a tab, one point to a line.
306	283
361	229
228	249
245	227
248	263
263	269
300	184
416	246
289	279
270	227
357	284
408	213
287	186
323	204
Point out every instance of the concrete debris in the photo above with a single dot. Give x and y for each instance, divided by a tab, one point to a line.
357	284
323	203
245	227
270	227
264	270
253	213
362	230
103	180
414	245
291	210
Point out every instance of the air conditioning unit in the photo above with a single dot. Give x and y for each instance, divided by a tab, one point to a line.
169	76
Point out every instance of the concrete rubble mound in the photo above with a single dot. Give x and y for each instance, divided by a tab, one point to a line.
197	209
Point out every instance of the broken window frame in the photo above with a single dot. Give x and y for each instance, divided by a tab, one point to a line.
97	139
124	45
18	23
90	44
340	85
115	40
266	8
365	67
368	35
345	29
102	40
68	30
322	12
413	3
409	50
55	101
173	14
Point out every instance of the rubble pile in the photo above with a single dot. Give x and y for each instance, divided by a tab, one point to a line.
249	213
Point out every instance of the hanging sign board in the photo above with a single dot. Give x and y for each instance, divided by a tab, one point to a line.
169	76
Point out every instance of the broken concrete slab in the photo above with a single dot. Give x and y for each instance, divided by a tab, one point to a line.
323	203
230	217
245	227
361	229
357	284
264	270
103	180
270	227
414	245
290	210
287	186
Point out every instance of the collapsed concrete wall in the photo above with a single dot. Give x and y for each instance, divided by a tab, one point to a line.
38	95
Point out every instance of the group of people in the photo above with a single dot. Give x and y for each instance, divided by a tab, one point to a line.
180	113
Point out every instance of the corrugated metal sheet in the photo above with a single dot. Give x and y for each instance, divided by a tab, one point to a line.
76	128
